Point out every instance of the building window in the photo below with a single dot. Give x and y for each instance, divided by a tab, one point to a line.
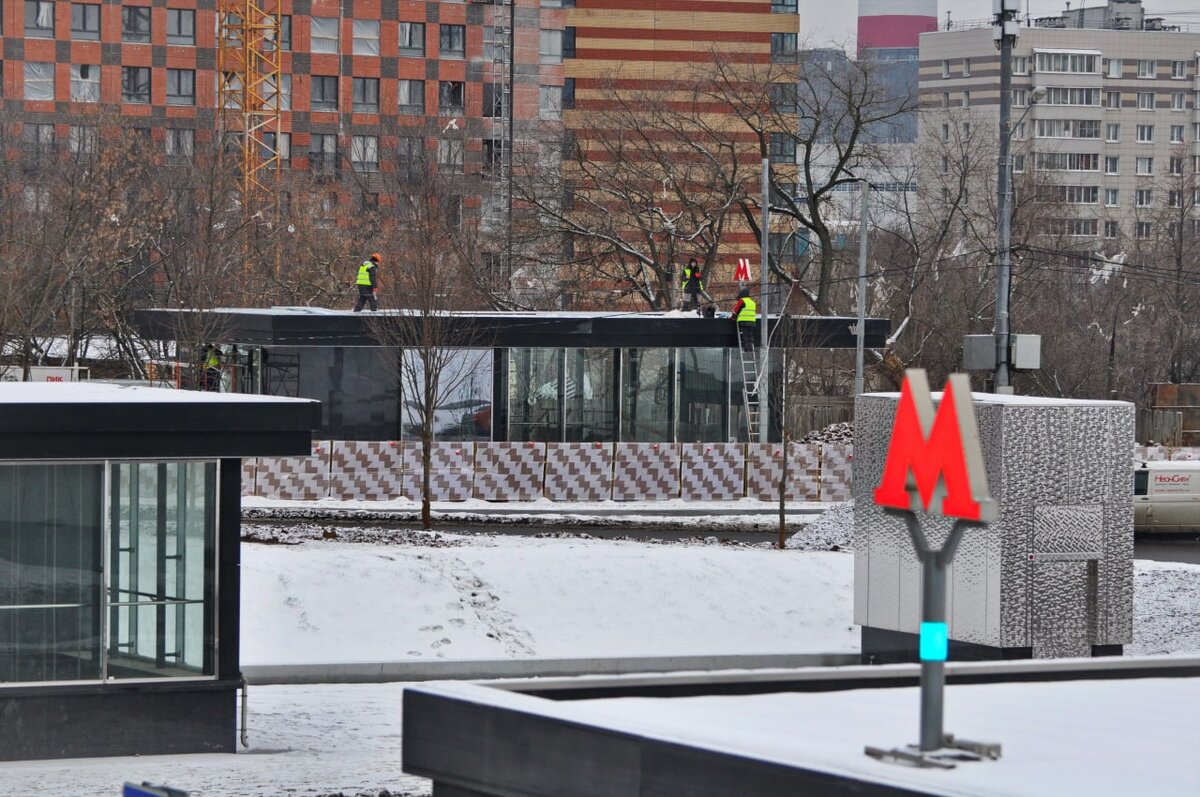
1069	96
785	98
322	153
1175	166
493	158
1112	229
412	39
550	102
1112	164
410	152
82	140
1020	64
181	26
966	99
1085	63
1174	199
945	131
966	66
39	20
1145	100
364	153
1112	197
568	92
180	142
1114	68
1178	103
781	148
550	48
411	94
452	41
85	83
1019	163
1142	197
285	33
780	6
39	80
945	99
1112	132
324	34
450	98
285	92
1147	68
1082	228
450	155
1112	100
1020	98
85	21
135	83
1145	134
366	95
1143	166
1179	70
569	42
324	93
783	47
181	87
366	37
945	69
135	24
1143	229
1176	134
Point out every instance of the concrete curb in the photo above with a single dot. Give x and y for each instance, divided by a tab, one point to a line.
488	669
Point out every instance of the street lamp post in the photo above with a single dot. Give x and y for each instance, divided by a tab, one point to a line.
1005	32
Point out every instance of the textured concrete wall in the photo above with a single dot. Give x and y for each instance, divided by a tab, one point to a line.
1055	571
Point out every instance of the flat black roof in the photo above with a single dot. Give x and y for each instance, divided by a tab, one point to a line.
93	420
313	326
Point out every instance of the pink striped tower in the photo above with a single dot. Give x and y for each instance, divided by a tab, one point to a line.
894	23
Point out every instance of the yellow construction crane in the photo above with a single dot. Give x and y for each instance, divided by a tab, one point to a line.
248	85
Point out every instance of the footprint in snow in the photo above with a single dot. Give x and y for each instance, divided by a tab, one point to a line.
440	643
458	622
431	628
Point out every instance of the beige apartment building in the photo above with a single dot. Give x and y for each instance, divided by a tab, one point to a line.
1109	110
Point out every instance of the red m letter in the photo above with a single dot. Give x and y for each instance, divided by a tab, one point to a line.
941	451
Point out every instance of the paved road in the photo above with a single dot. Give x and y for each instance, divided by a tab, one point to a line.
1185	549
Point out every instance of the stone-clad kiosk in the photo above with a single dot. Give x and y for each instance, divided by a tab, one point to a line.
1051	577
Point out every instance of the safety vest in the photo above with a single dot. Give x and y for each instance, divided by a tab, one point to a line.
214	359
364	273
749	311
687	278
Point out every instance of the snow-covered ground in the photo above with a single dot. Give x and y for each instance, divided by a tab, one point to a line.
388	595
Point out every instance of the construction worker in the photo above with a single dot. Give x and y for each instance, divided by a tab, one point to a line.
745	313
368	283
212	367
693	285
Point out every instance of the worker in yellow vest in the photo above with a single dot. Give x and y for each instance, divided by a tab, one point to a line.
745	313
368	283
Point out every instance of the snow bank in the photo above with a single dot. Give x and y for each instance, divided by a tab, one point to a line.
832	531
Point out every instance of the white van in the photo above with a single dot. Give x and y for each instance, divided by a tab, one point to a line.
1166	497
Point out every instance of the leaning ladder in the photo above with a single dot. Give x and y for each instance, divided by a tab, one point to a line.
749	386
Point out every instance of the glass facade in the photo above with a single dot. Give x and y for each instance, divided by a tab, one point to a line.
115	583
647	395
535	394
703	395
463	395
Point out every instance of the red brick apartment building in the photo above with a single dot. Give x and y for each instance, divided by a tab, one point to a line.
367	80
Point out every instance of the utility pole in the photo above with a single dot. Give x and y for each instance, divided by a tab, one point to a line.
764	377
1005	32
860	331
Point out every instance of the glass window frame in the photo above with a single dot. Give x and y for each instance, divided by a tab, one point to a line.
178	80
134	98
187	518
319	32
407	105
452	41
365	95
184	33
36	26
90	13
326	103
132	29
80	82
410	32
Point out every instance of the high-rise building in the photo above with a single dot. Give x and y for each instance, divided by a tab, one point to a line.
890	29
1104	123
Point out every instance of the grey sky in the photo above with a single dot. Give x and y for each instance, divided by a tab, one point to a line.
822	21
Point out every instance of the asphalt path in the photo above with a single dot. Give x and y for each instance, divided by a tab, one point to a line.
1184	548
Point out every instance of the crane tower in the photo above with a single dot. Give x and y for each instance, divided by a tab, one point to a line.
248	80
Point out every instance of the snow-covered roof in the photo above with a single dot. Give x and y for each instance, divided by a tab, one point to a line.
1017	400
104	393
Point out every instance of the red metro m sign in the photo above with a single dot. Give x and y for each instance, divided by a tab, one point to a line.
934	462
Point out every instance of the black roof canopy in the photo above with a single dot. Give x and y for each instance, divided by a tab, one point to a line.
310	326
93	420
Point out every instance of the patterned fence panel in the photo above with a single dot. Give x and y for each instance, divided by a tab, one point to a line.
509	471
1185	454
579	471
294	478
764	467
451	471
836	471
249	468
712	471
646	472
1158	453
367	470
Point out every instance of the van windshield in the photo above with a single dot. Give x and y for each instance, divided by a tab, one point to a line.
1141	480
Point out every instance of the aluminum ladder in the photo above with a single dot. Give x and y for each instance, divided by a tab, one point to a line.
749	386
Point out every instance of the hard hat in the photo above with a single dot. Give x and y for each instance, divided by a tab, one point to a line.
375	256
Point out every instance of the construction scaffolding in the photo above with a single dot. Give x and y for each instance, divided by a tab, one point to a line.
248	82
